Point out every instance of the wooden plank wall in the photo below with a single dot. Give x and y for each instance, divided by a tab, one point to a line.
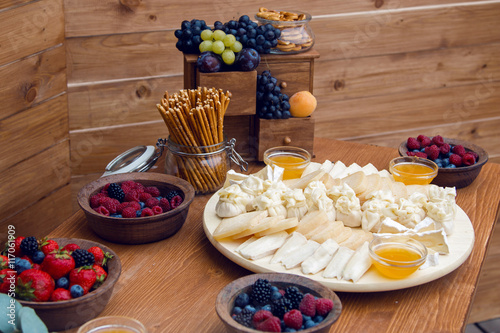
34	129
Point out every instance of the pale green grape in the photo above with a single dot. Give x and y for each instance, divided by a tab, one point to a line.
229	40
236	47
228	57
218	47
207	34
219	35
206	45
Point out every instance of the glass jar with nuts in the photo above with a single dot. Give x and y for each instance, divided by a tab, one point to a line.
296	34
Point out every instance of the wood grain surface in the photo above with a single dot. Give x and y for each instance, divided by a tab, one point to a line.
168	275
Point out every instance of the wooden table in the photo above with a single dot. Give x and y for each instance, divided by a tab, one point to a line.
171	285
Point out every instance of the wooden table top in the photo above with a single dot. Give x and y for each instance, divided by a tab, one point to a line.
171	285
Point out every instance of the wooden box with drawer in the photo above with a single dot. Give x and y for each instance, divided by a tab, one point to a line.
295	72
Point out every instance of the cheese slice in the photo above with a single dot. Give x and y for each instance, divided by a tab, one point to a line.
260	225
294	241
280	225
399	190
264	246
245	243
311	220
329	231
389	226
358	237
426	224
359	263
373	183
311	167
320	258
356	181
337	169
369	169
297	256
233	225
304	181
339	261
433	239
343	235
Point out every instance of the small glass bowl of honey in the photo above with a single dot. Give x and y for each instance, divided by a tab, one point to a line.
113	324
412	170
292	159
397	257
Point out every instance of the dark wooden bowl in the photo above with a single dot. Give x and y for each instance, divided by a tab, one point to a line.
225	300
64	315
138	230
459	177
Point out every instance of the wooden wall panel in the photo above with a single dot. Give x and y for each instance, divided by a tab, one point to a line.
42	217
32	80
30	29
124	16
12	3
31	180
47	123
117	103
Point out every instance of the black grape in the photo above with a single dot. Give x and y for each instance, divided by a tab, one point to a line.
271	102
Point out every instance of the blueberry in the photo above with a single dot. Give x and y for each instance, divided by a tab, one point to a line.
451	166
138	213
446	162
250	308
416	150
62	283
275	295
76	291
440	165
237	310
305	318
289	329
21	265
438	161
38	257
242	300
318	319
274	288
309	324
267	307
142	204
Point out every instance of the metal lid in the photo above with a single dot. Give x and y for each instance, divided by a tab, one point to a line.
137	159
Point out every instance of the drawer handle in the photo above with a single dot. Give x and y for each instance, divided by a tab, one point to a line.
283	85
287	140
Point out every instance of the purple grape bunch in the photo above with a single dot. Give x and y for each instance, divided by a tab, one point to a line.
188	35
271	102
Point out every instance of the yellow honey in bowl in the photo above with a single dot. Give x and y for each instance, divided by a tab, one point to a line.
413	173
294	165
391	254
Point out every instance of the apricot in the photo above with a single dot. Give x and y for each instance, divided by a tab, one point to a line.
302	104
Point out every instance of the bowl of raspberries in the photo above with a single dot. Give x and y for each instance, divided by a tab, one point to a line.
277	302
67	281
137	207
459	161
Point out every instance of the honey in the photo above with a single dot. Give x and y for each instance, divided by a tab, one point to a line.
413	170
294	165
391	255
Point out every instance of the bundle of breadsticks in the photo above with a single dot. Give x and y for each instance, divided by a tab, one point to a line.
194	118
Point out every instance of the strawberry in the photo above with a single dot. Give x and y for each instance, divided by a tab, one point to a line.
70	247
17	247
58	264
34	285
7	277
84	276
4	262
60	294
48	245
100	258
101	275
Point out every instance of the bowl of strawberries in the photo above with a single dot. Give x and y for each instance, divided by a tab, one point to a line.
136	207
67	281
459	161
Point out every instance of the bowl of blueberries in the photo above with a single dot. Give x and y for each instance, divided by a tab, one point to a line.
459	161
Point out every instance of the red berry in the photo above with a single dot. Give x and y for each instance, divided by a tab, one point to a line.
153	190
70	247
143	196
111	205
139	187
444	149
147	212
476	156
323	306
456	160
48	245
468	159
175	201
308	305
438	140
432	152
412	144
129	212
60	294
102	210
127	186
132	195
95	199
151	202
260	316
165	204
272	324
424	140
157	210
417	153
105	188
459	150
293	319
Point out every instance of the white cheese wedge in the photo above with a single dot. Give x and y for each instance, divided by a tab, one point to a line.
264	246
297	256
311	167
304	181
233	177
233	225
331	231
294	241
426	224
432	260
327	166
369	169
337	169
245	243
353	168
280	225
389	226
359	263
433	239
311	220
385	174
399	191
357	238
339	261
320	258
261	225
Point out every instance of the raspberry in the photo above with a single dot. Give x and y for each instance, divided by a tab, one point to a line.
139	187
293	319
102	210
172	194
260	316
456	160
132	195
323	306
105	188
418	154
151	202
143	196
123	205
308	305
111	205
94	200
127	186
147	212
444	149
424	140
103	199
468	159
432	152
412	143
165	204
157	210
476	156
272	324
175	201
438	140
153	190
459	150
129	212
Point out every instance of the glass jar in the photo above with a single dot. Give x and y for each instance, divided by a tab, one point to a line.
205	167
296	33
